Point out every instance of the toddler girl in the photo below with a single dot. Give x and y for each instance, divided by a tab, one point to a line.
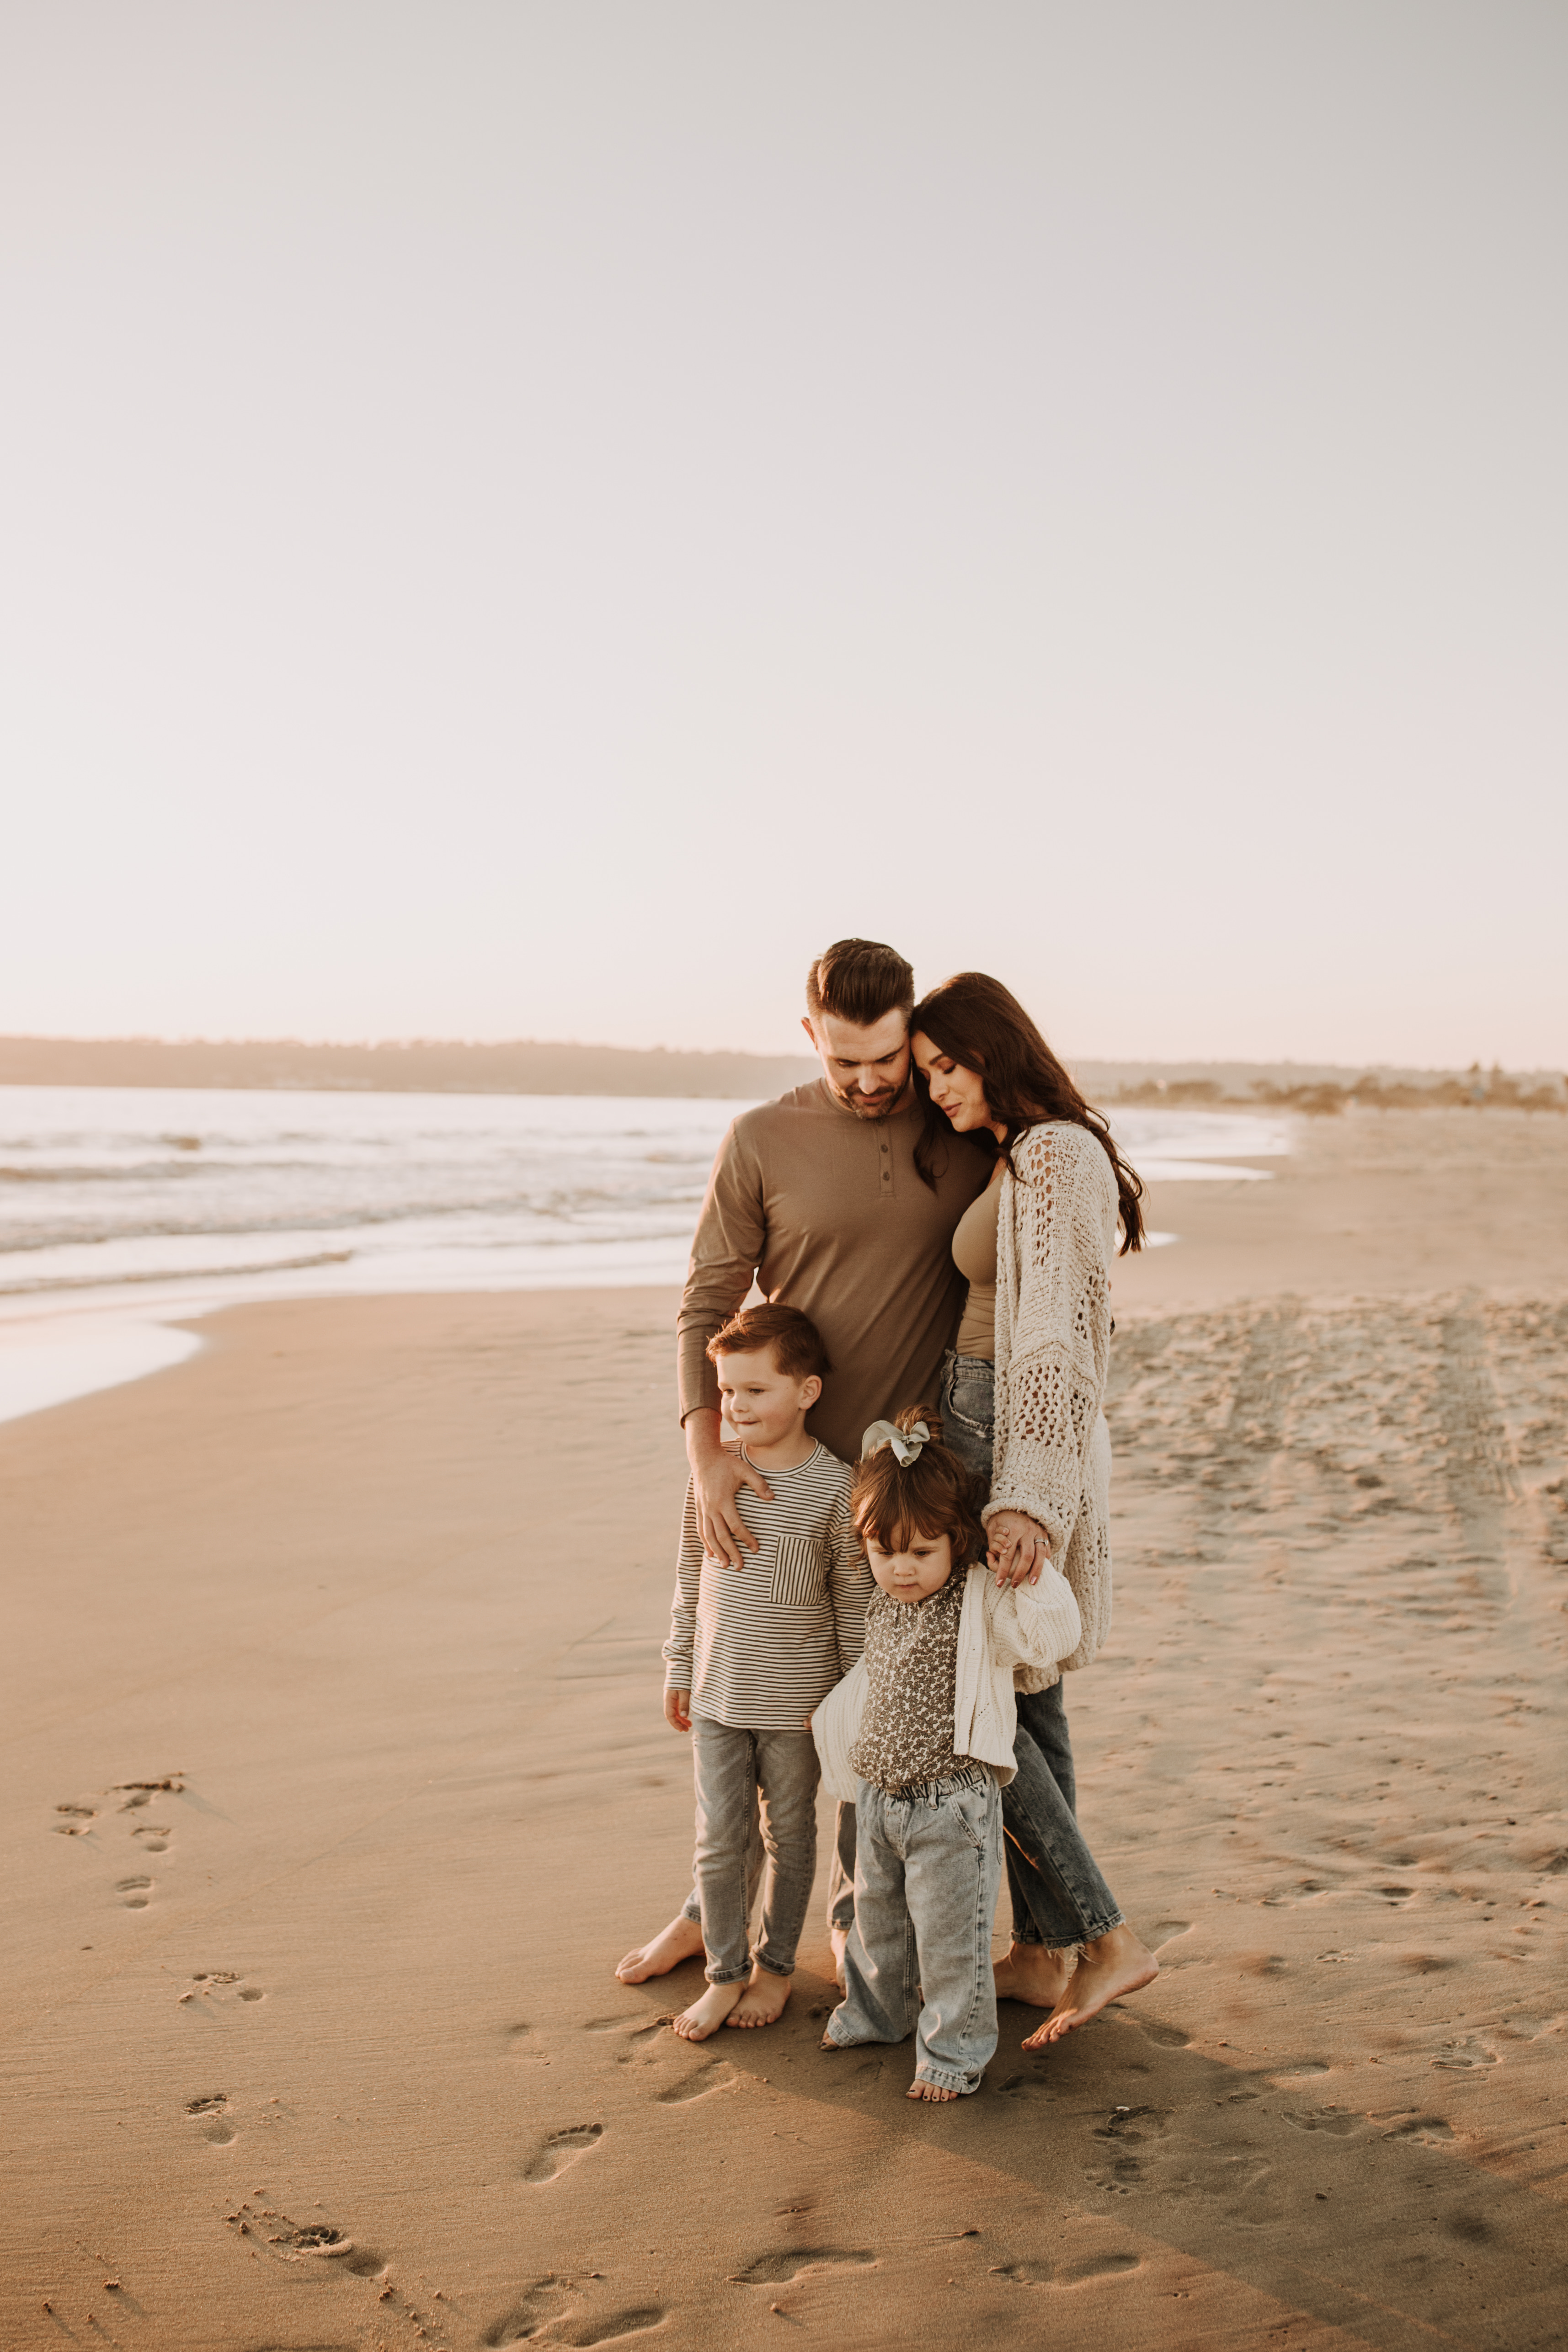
920	1732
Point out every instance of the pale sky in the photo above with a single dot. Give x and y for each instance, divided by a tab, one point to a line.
533	519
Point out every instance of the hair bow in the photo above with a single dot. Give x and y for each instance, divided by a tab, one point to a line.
906	1443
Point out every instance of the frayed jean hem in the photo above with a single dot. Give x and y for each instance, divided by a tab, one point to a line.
940	2080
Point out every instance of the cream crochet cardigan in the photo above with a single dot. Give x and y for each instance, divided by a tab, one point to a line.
1055	1238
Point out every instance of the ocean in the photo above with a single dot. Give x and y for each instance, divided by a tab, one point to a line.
125	1211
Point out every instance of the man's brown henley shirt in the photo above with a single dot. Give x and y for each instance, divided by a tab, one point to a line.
828	1214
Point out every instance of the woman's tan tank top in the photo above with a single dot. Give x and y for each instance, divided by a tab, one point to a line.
974	1255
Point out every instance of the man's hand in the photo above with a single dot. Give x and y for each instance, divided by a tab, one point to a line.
717	1478
1018	1548
676	1704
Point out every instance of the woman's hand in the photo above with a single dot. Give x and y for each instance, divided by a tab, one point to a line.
677	1704
1018	1548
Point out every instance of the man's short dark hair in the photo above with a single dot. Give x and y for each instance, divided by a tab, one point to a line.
859	980
793	1338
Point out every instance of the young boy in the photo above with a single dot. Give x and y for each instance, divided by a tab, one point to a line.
750	1652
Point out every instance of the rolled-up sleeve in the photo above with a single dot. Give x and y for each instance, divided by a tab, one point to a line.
726	1257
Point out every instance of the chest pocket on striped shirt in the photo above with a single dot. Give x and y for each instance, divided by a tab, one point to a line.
800	1575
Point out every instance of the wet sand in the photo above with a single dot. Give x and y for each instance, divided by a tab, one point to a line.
320	2047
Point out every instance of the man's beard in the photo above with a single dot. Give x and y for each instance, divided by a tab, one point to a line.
867	1107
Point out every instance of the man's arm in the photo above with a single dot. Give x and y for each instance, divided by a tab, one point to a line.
731	1233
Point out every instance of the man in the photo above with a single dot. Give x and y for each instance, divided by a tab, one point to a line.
817	1198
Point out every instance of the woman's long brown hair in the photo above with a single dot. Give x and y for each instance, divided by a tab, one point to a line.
981	1025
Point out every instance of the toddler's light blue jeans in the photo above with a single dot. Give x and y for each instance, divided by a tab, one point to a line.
928	1865
734	1768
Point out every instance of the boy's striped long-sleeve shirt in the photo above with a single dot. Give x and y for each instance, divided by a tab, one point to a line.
760	1646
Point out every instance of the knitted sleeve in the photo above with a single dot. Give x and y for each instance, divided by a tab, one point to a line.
1033	1625
1057	1327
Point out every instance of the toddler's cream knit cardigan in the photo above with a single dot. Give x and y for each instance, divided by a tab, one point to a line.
1001	1636
1055	1238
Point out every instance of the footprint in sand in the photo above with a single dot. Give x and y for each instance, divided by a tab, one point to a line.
150	1840
1460	2056
715	2076
1322	2119
561	2149
212	2113
539	2305
1166	1931
136	1892
1096	2266
794	2261
77	1821
221	1984
1431	2131
614	2327
1164	2037
1027	2087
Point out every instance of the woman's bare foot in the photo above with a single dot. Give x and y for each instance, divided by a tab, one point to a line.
838	1937
1114	1965
762	2002
1031	1974
918	2090
827	2042
706	2015
681	1941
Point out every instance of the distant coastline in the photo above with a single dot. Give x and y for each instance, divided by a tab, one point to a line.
530	1066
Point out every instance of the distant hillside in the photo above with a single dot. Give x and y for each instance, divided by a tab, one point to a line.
528	1067
1318	1087
418	1067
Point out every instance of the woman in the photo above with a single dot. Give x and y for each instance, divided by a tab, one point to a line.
1021	1398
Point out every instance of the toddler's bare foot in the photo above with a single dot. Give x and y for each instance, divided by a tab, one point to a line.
1031	1974
1112	1966
762	2002
928	2091
707	2014
838	1937
681	1941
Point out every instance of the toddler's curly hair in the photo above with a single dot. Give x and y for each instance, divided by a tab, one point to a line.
932	1496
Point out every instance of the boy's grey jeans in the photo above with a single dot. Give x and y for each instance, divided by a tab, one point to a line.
840	1876
734	1768
928	1866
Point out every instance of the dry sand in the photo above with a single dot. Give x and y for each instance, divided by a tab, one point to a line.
379	1586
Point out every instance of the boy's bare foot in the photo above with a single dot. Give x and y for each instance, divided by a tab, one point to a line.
1031	1974
1112	1966
762	2002
838	1937
928	2091
681	1941
707	2014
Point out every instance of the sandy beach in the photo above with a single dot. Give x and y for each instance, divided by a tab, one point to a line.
339	1783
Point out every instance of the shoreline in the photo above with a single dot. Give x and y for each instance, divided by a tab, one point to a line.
378	1585
1340	1222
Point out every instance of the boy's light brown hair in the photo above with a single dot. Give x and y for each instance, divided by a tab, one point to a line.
795	1341
932	1496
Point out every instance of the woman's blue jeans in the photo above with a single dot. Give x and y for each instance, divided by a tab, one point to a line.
1059	1898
